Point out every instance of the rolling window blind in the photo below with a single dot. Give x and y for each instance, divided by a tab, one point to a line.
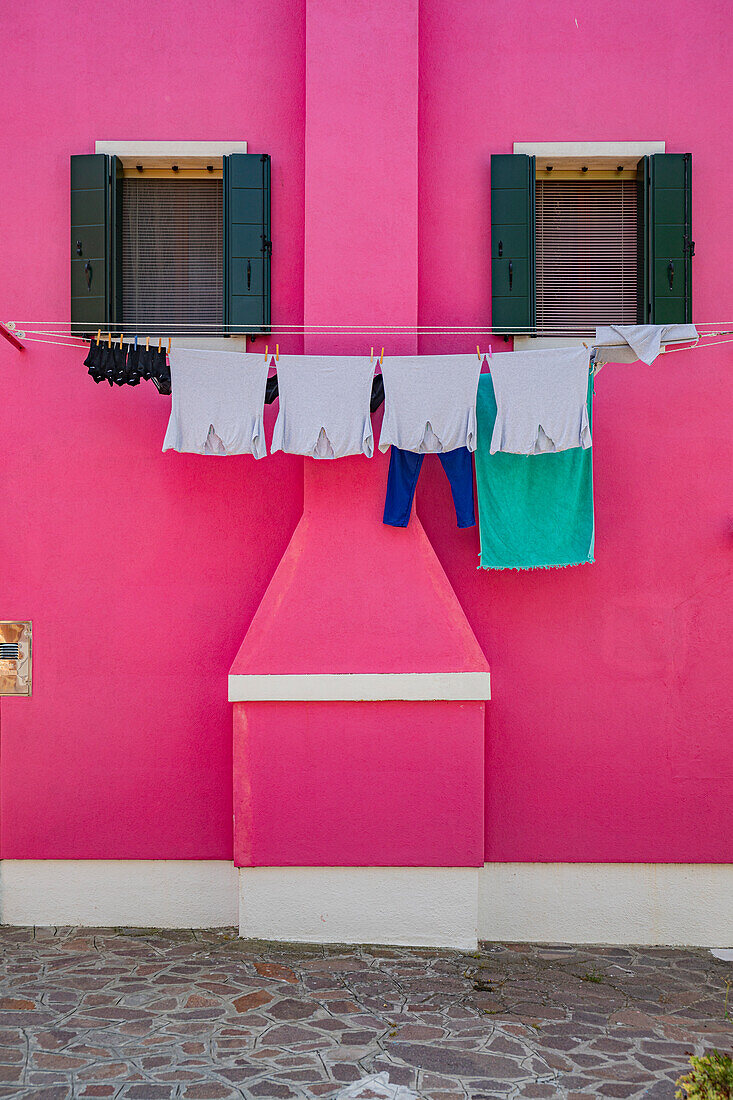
586	255
172	253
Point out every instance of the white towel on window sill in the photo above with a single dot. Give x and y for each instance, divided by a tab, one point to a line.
638	341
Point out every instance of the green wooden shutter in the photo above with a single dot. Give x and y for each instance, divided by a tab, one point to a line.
247	243
666	247
512	242
96	255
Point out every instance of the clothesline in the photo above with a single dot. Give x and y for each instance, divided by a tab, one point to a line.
216	328
75	342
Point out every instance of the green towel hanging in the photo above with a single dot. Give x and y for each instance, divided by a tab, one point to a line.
535	511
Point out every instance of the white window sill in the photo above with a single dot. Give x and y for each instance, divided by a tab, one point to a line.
535	343
217	343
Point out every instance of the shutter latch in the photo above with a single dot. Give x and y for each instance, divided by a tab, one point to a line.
689	247
266	245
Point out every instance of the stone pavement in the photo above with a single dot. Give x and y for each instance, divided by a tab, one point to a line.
146	1014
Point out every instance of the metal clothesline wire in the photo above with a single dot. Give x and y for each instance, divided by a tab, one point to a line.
315	328
120	332
68	343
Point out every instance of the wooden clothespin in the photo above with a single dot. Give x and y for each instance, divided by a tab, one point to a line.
381	356
121	335
169	345
147	344
160	342
277	353
109	339
478	352
371	355
267	348
99	333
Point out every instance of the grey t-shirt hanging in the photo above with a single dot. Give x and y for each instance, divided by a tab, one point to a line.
218	400
540	400
430	402
324	406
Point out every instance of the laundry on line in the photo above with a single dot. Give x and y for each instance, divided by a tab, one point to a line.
534	512
540	399
528	421
430	402
324	406
628	343
218	402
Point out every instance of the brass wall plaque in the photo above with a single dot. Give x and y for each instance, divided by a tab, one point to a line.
15	658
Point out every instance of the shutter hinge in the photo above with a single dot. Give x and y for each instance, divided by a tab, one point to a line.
689	246
266	245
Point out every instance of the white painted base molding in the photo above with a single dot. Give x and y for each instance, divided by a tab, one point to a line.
643	903
671	904
138	893
409	906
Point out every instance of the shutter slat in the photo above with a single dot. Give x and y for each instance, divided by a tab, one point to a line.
586	255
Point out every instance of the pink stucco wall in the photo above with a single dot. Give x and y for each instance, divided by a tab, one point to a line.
609	730
608	736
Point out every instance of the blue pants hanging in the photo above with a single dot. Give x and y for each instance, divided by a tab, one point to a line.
404	470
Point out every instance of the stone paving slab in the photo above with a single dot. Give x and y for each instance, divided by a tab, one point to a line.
142	1014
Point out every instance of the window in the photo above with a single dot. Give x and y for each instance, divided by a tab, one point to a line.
577	242
586	254
172	253
153	245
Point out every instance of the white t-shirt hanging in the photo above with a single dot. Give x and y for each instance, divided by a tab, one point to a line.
218	401
324	406
429	402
